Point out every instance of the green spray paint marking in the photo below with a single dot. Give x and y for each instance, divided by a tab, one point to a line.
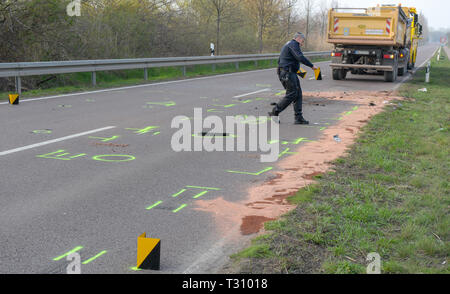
68	253
154	205
134	268
355	108
166	104
105	139
322	128
144	130
286	151
179	208
298	140
225	106
53	155
246	101
200	194
100	157
214	110
276	141
250	173
259	99
178	193
156	133
207	188
42	131
94	257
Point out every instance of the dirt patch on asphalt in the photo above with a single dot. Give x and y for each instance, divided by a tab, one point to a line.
268	201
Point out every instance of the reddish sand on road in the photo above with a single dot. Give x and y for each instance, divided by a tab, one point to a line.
268	201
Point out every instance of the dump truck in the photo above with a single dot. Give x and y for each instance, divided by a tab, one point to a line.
379	40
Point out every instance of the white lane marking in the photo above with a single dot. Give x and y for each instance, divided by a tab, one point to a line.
146	85
248	94
54	141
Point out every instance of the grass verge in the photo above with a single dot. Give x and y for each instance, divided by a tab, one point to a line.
389	195
79	82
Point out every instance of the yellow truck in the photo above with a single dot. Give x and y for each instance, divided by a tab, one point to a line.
380	39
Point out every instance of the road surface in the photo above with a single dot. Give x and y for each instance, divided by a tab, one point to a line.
90	172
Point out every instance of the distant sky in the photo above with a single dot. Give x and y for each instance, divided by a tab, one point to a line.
437	12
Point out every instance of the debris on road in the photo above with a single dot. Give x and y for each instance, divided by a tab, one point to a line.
337	139
423	90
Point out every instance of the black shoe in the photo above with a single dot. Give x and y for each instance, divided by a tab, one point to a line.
273	113
301	121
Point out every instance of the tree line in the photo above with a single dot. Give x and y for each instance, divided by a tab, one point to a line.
41	30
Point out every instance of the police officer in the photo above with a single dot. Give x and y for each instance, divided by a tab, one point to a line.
288	64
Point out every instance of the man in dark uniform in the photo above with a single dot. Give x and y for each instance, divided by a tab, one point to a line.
288	64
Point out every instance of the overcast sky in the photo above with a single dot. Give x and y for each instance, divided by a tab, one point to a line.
437	12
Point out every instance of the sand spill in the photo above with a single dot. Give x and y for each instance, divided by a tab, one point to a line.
268	201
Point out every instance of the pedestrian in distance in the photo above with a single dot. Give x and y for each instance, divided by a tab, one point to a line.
288	65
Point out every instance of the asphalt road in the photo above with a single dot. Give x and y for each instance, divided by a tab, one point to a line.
91	172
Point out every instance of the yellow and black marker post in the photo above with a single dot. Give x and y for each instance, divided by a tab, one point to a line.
14	99
302	73
148	253
318	74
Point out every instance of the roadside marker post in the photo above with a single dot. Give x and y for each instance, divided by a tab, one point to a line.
427	75
13	99
148	253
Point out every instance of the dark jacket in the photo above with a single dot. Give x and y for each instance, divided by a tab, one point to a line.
291	56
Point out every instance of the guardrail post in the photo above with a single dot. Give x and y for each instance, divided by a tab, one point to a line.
146	74
427	75
18	85
256	63
94	78
214	67
237	65
184	70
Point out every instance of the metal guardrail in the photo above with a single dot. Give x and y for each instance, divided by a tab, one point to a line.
22	69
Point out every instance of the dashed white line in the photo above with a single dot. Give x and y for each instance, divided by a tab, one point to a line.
248	94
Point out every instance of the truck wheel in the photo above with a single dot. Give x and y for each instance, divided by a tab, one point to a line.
336	75
343	74
390	76
401	71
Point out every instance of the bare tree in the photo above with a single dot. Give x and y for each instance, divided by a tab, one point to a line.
263	13
307	6
222	10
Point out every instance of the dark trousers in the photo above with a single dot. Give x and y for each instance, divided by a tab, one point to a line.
294	95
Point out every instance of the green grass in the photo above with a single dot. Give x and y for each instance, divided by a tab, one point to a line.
389	195
78	82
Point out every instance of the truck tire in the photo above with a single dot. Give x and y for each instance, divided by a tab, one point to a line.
339	74
336	75
401	71
390	76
